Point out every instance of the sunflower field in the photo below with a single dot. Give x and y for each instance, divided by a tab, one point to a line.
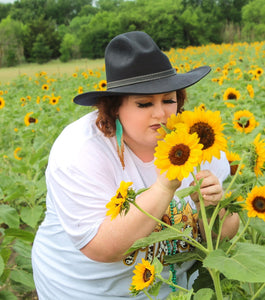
34	110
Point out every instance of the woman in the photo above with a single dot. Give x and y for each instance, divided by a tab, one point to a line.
78	252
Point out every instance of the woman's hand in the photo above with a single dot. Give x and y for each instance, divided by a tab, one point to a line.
211	188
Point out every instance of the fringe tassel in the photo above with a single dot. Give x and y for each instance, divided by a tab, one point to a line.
120	143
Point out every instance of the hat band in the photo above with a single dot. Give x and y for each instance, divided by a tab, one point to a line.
138	79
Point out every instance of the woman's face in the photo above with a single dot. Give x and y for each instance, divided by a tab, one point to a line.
140	116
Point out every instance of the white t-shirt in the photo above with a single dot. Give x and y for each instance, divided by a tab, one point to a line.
83	173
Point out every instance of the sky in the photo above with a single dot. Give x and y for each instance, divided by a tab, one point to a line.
7	1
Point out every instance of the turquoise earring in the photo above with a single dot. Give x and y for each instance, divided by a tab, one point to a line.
120	143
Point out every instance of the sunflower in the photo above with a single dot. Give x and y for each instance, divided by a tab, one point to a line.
250	90
54	100
207	124
259	71
232	158
28	119
15	153
74	75
80	90
144	275
172	121
244	121
2	102
231	94
178	154
259	155
118	203
45	87
102	85
255	203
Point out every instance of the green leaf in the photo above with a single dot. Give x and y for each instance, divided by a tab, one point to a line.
31	215
158	265
23	277
6	295
155	237
22	248
186	191
155	288
205	294
21	234
196	254
2	265
258	224
247	263
9	216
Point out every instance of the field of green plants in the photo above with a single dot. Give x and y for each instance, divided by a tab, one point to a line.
35	109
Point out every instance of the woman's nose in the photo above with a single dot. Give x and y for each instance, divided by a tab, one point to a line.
158	111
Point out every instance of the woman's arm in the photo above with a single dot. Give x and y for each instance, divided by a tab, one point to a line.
212	193
115	237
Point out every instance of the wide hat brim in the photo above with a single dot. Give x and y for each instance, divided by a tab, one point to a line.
155	86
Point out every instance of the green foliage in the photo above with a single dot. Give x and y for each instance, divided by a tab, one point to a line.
11	42
41	52
253	16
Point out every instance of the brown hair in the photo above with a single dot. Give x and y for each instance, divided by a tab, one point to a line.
108	108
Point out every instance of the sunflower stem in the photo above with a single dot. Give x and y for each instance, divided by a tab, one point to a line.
147	295
189	240
258	291
238	237
171	283
220	229
206	226
217	284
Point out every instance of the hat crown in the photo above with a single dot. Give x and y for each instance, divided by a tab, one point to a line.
133	54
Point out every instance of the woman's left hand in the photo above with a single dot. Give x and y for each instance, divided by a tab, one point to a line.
211	188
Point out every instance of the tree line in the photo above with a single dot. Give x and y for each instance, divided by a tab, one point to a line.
41	30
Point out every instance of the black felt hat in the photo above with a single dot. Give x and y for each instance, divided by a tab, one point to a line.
135	65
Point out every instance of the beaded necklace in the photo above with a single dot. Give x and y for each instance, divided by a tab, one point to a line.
172	248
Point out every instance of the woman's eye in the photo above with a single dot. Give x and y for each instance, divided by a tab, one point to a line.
169	101
142	105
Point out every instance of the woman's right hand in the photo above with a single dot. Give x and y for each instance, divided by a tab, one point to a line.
165	183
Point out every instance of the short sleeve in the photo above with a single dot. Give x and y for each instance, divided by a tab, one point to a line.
79	191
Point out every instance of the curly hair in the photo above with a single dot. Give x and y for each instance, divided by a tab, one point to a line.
108	108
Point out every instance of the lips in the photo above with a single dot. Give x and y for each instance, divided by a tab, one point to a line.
155	126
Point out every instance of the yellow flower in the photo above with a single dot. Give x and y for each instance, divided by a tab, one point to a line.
54	100
207	124
178	154
118	202
233	157
80	90
45	87
15	153
259	154
172	121
102	85
250	90
231	94
259	71
144	275
74	75
244	121
2	102
28	119
255	203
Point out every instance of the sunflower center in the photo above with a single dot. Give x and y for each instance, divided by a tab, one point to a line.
205	133
147	275
243	122
179	154
231	96
259	204
32	120
119	196
233	168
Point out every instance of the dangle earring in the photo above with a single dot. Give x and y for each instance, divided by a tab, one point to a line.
120	143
